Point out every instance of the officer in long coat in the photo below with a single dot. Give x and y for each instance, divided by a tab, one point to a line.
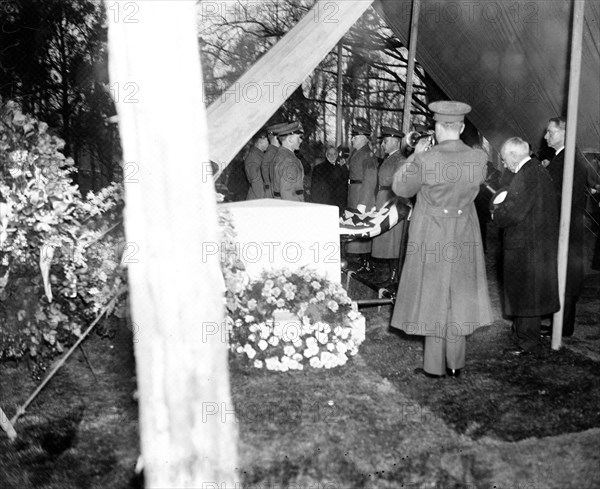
361	198
387	245
443	292
529	218
252	164
288	182
267	168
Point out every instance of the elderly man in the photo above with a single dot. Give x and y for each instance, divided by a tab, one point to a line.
252	164
288	182
443	292
528	215
555	137
329	181
361	198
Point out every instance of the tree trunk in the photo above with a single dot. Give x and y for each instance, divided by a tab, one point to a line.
186	416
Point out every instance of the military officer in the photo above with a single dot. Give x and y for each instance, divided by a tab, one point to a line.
288	182
387	245
252	164
443	292
267	167
361	198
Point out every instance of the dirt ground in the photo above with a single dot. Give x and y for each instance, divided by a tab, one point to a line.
505	423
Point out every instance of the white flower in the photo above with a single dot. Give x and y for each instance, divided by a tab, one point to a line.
258	364
320	296
297	357
341	347
248	318
315	362
252	304
251	352
253	328
276	291
262	344
265	331
297	342
311	342
280	303
273	340
272	363
309	352
240	349
330	346
322	337
289	350
315	285
333	305
252	337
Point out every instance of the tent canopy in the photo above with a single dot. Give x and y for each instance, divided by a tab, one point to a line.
508	60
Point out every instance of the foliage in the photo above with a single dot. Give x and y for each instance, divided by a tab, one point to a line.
51	241
54	63
288	320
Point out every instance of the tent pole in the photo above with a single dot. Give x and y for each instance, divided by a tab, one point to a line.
339	108
410	70
567	188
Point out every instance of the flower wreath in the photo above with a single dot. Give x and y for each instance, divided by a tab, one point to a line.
288	320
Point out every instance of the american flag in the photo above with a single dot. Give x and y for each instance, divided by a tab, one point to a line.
375	222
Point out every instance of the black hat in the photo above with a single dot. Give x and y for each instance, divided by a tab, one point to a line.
290	128
388	131
361	128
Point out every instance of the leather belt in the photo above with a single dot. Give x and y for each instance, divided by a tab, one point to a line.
297	192
383	187
351	182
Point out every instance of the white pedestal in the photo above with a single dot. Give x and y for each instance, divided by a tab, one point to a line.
274	234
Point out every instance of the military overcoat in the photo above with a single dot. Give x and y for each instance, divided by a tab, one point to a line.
289	176
443	287
267	169
362	162
386	245
252	165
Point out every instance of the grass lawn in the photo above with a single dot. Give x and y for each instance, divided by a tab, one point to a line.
505	423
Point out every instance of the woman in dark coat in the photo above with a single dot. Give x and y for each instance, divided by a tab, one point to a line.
529	218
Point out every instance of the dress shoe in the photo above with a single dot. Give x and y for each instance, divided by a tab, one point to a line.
517	352
420	371
453	372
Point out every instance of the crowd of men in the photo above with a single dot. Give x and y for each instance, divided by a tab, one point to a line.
442	290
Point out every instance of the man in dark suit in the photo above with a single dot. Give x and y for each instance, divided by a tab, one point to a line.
529	218
329	181
555	137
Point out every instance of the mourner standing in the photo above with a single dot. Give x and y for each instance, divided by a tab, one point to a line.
443	292
288	183
555	137
268	161
329	181
252	165
360	197
387	245
528	216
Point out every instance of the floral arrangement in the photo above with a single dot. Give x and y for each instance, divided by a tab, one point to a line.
60	253
289	320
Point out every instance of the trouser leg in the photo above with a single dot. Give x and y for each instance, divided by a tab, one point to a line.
527	332
569	311
456	352
434	355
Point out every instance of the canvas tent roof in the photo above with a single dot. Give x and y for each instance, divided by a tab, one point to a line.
509	60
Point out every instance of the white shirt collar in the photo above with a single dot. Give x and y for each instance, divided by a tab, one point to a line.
522	162
559	150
